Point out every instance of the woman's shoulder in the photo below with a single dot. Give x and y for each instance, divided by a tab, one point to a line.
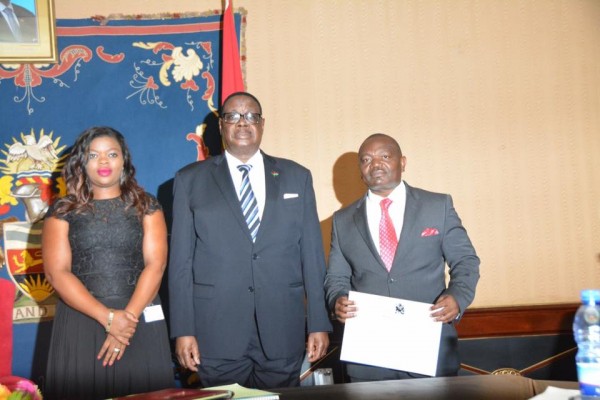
153	203
60	207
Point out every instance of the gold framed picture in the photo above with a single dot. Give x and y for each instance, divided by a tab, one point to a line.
27	32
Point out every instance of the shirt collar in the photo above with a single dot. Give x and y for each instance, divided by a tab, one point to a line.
255	160
397	194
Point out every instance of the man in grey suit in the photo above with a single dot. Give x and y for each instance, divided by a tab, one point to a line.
431	235
246	282
17	24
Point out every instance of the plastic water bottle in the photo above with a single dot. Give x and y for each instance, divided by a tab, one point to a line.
586	330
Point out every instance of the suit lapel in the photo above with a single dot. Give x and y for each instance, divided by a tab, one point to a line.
410	218
273	175
224	182
360	219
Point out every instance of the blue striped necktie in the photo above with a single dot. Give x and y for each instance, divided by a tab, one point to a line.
248	202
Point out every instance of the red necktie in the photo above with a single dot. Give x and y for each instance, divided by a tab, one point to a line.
387	235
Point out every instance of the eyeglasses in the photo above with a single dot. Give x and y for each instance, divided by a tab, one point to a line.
234	117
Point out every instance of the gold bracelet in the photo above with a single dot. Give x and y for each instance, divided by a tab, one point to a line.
111	315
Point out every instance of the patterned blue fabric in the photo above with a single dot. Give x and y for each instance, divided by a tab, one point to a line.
156	81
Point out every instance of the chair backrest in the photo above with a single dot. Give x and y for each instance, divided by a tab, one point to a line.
7	300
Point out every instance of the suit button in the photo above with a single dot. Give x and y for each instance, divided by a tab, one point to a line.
255	256
250	289
392	280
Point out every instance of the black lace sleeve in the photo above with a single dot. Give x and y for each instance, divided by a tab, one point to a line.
154	204
52	210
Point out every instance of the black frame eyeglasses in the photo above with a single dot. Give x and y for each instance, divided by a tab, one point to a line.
234	117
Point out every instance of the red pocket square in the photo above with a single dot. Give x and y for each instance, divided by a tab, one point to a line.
429	232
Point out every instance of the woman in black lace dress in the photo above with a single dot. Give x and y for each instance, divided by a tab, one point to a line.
104	250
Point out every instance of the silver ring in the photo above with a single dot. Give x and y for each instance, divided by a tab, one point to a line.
116	350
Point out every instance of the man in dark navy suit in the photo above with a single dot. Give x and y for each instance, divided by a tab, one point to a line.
247	266
17	24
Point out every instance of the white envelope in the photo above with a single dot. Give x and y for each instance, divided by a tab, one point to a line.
392	333
290	195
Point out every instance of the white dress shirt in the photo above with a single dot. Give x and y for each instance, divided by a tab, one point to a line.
256	175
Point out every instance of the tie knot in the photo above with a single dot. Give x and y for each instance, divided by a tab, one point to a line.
385	203
244	168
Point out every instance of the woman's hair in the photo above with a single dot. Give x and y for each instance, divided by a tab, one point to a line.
79	187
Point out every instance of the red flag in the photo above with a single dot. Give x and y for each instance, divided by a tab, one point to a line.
231	69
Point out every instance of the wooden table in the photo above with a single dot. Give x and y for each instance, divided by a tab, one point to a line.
476	387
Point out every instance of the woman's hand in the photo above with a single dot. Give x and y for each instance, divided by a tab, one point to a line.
112	350
123	326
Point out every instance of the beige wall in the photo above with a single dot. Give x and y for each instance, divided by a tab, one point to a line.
494	101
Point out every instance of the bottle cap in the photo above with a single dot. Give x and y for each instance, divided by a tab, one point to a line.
590	296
